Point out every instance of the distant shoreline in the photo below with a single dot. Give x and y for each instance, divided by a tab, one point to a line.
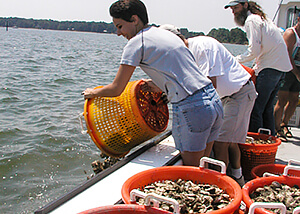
233	36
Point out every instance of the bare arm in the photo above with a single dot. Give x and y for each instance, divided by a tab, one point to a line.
290	40
115	88
214	81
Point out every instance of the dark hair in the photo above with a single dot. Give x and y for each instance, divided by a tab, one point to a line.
125	9
256	9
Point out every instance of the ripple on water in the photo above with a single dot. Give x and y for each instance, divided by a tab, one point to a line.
43	153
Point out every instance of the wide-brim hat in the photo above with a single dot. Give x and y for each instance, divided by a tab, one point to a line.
234	2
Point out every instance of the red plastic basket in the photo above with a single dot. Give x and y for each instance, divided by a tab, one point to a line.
252	185
276	169
124	209
253	155
195	174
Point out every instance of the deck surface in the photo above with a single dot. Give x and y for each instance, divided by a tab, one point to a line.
108	191
289	150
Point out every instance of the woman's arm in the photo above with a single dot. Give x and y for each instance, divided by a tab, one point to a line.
290	40
115	88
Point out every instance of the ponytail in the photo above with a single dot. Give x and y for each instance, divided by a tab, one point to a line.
254	8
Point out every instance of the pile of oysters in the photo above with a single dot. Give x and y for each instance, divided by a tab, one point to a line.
277	192
192	197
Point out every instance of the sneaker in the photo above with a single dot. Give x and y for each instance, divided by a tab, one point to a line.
240	181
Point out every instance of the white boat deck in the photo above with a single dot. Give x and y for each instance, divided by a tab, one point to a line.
108	191
289	150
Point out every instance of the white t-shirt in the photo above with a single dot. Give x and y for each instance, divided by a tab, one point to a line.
166	60
266	44
214	60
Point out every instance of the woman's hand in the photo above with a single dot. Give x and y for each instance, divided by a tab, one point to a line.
150	86
89	93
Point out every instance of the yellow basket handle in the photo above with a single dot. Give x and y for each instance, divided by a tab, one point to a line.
255	205
81	124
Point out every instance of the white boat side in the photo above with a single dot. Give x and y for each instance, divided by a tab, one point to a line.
105	187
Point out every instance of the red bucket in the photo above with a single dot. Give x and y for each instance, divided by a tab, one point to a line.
253	155
276	169
195	174
123	209
252	185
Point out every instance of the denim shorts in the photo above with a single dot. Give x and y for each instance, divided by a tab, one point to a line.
197	120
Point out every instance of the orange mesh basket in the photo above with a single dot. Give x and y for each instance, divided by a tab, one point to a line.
117	124
195	174
253	155
252	185
123	209
276	169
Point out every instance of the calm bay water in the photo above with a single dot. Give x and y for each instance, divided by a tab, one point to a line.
43	153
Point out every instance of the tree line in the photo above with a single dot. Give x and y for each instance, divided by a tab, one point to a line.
233	36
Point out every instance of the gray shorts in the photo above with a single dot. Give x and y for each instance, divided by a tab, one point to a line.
237	110
197	120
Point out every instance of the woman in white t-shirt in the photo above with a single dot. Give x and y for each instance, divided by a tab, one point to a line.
197	108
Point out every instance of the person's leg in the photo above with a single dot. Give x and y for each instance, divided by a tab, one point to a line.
193	158
290	108
268	114
235	163
278	112
208	149
267	85
234	155
279	108
293	87
221	151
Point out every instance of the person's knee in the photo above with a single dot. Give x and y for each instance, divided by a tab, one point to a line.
220	145
293	102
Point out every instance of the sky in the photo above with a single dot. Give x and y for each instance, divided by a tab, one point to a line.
195	15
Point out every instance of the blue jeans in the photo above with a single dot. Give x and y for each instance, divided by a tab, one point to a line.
267	86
